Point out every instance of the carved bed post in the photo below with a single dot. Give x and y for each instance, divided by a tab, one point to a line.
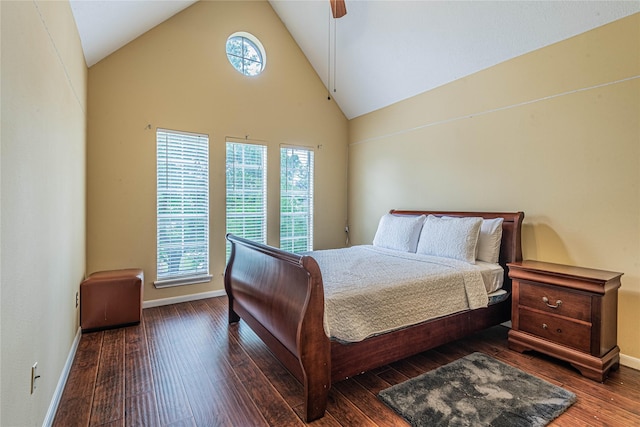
314	346
233	316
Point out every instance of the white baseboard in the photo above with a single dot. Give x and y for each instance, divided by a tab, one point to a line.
630	362
62	381
183	298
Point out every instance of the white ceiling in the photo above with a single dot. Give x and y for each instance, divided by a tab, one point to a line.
107	25
385	50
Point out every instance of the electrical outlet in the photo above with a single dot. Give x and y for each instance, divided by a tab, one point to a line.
77	299
34	376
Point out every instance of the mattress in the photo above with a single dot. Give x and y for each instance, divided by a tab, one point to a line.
492	275
371	290
498	296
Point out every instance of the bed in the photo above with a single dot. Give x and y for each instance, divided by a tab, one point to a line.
281	296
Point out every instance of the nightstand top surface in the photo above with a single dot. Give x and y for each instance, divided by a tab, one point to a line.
565	270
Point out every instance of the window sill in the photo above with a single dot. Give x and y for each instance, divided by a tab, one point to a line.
182	281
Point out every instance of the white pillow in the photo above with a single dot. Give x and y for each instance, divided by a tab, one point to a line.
450	237
399	232
489	240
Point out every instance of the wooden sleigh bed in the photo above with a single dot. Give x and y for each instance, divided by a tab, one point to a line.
280	296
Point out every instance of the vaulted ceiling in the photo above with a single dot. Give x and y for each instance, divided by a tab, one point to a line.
382	51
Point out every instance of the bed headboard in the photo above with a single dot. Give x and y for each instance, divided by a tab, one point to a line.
511	245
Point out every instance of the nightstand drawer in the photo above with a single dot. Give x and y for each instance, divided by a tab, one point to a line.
555	300
560	330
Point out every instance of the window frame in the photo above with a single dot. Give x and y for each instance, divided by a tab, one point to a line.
251	40
179	164
261	211
309	197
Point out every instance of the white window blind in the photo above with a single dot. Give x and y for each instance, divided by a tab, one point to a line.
182	208
246	170
296	199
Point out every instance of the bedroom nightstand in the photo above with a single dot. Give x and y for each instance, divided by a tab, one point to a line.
566	312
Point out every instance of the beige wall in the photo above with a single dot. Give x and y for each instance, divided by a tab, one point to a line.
42	202
554	133
177	76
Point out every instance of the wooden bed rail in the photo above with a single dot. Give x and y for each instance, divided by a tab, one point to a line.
280	295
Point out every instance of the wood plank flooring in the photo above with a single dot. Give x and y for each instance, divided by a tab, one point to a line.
185	366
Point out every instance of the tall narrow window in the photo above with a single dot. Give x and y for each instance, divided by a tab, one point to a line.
182	208
246	170
296	199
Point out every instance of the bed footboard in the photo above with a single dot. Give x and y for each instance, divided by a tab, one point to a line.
281	297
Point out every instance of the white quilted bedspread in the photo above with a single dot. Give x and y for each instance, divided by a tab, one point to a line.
369	290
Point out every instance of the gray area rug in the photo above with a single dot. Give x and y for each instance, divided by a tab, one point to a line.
477	390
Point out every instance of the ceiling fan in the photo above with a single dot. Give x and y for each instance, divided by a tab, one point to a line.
338	8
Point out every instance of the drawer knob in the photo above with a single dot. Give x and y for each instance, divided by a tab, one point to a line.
546	301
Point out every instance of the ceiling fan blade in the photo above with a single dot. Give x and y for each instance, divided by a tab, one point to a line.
338	8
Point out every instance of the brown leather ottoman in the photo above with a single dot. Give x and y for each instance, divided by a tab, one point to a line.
111	298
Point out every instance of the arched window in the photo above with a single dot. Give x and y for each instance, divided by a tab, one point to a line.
246	53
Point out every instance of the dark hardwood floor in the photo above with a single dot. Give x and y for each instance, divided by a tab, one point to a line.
184	366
